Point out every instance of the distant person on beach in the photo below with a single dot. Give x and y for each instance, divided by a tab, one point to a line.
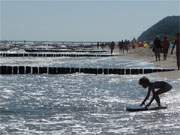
98	45
156	88
120	45
165	46
126	45
102	45
157	48
112	45
177	44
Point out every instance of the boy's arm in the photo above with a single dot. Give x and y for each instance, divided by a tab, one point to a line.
147	96
153	92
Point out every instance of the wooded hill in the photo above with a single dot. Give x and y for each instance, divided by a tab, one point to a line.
168	26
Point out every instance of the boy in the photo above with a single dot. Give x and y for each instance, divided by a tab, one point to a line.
157	88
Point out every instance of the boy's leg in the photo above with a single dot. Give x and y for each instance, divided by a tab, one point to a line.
160	91
163	90
156	97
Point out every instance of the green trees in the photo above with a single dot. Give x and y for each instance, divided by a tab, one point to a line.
168	26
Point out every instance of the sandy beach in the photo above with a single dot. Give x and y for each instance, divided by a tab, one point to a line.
147	55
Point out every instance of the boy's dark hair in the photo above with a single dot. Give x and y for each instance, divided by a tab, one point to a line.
143	80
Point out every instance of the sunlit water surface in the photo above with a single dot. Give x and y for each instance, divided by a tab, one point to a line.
86	62
82	104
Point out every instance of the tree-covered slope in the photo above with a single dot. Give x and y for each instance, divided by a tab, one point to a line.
168	26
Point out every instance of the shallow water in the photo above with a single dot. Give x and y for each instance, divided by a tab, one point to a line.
86	62
81	104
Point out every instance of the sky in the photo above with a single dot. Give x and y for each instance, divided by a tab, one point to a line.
103	20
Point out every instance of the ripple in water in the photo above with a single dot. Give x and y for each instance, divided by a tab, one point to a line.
82	104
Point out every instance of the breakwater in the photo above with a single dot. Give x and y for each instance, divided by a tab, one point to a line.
60	50
52	55
70	70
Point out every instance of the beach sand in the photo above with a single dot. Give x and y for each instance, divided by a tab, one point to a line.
147	55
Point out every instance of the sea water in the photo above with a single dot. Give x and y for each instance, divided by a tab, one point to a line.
83	104
86	62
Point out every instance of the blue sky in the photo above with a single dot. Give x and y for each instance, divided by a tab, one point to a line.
81	20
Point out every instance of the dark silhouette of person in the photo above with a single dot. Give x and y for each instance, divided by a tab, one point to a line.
157	88
126	45
98	45
102	45
112	45
177	44
157	48
120	45
165	46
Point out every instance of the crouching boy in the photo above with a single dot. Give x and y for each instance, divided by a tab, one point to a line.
157	88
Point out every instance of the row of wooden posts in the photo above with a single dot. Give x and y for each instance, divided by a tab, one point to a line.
51	55
70	70
60	50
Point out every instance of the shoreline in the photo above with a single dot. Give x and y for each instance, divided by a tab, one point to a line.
147	55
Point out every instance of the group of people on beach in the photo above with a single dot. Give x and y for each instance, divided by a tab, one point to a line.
163	47
158	46
123	46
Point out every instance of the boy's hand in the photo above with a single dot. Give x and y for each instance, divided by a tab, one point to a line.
147	106
142	104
